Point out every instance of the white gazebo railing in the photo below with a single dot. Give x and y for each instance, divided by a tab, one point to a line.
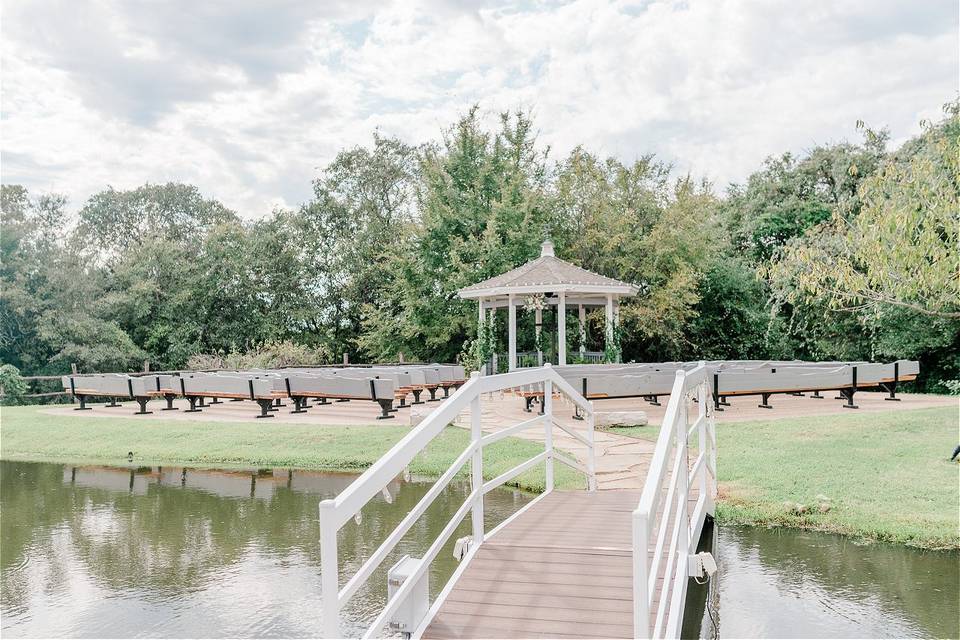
663	516
334	513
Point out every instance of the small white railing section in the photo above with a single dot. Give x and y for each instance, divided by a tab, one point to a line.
334	513
663	515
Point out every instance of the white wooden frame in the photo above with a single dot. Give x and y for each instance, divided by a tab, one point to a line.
334	513
675	526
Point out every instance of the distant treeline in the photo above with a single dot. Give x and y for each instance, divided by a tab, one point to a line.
848	251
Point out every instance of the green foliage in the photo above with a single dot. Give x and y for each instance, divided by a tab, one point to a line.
12	384
272	355
478	352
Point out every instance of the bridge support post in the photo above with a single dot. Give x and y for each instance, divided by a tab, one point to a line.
476	468
329	570
641	597
548	430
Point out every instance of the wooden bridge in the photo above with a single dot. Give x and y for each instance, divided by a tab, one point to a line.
611	564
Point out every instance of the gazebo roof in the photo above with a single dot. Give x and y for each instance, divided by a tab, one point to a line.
547	274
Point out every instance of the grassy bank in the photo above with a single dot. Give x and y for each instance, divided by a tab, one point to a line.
28	434
886	475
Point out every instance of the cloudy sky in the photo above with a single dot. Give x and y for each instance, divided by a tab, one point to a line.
248	99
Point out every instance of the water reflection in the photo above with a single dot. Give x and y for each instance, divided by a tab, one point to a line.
779	583
164	551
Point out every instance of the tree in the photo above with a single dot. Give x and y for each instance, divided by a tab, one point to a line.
902	248
113	221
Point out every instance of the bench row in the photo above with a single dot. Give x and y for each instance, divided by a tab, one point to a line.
383	385
740	378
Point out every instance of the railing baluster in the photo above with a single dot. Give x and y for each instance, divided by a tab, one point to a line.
329	570
548	431
476	468
641	560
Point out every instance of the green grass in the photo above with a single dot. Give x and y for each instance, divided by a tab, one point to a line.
887	475
28	434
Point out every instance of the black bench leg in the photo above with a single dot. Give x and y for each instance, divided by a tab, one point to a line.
416	396
723	401
113	403
716	403
83	404
386	406
403	402
236	399
766	404
142	401
654	401
322	401
266	406
193	405
816	394
527	402
298	405
433	394
343	399
203	403
891	388
215	401
169	398
446	391
577	415
847	394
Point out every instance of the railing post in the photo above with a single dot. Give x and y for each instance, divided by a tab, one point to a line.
683	483
476	466
703	445
548	427
591	457
329	570
641	597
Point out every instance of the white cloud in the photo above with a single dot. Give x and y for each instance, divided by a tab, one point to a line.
249	102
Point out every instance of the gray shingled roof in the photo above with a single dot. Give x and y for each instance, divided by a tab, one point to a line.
547	270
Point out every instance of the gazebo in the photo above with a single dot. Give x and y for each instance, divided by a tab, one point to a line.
548	280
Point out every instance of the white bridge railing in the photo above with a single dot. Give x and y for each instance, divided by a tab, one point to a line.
334	513
663	515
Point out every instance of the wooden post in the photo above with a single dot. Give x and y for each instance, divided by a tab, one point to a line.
146	366
582	330
608	334
346	358
548	430
538	319
512	334
476	467
562	329
329	570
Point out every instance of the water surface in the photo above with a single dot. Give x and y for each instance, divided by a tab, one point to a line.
173	552
792	584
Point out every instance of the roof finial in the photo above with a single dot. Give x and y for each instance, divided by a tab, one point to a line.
546	249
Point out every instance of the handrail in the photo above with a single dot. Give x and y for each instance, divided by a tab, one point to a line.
335	512
666	515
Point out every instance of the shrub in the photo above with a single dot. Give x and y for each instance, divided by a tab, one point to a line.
12	384
270	355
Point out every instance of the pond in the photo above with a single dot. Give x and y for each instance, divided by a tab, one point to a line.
169	552
795	584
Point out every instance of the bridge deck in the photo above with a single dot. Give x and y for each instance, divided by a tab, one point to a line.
561	569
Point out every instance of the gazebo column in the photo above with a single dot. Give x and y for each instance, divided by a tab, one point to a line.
538	318
512	333
608	333
562	329
581	331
